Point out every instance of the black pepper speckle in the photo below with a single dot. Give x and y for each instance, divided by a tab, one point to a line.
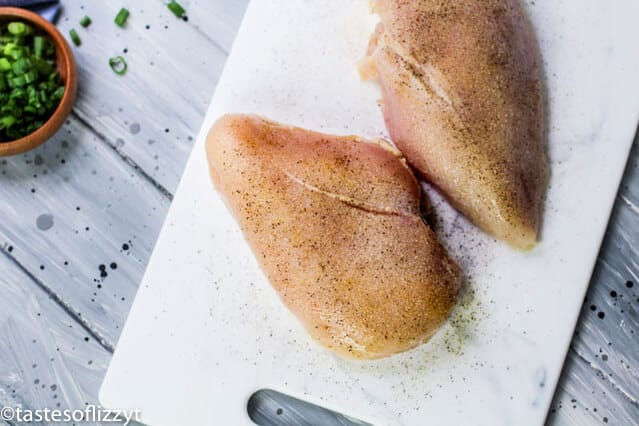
103	272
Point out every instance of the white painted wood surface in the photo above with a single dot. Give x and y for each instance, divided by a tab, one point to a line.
115	161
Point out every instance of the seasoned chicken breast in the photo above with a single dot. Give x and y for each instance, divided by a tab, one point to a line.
462	100
335	224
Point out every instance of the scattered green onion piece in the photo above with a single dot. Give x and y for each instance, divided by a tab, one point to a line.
85	22
75	38
118	65
176	8
121	17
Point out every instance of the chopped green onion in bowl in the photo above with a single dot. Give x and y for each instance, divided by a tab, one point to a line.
18	28
30	86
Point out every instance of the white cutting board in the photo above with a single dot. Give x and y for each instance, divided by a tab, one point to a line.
206	329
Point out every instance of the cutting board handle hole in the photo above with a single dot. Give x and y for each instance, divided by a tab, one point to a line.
292	411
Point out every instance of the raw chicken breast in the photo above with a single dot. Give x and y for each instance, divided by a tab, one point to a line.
335	224
462	100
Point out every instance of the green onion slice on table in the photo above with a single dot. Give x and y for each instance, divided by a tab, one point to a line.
121	17
118	65
85	22
176	8
75	38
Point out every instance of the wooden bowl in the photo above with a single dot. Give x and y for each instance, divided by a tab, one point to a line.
65	64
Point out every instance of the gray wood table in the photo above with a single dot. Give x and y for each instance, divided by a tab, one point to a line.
80	216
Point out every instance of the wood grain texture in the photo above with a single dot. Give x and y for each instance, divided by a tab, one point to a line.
218	20
584	398
48	359
70	206
173	66
116	162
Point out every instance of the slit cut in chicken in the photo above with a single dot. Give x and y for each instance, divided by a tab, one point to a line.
462	100
335	223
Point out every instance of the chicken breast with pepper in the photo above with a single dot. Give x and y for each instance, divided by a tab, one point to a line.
335	224
462	100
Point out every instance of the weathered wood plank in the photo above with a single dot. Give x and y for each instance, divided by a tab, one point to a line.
584	398
71	206
150	114
217	19
47	360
